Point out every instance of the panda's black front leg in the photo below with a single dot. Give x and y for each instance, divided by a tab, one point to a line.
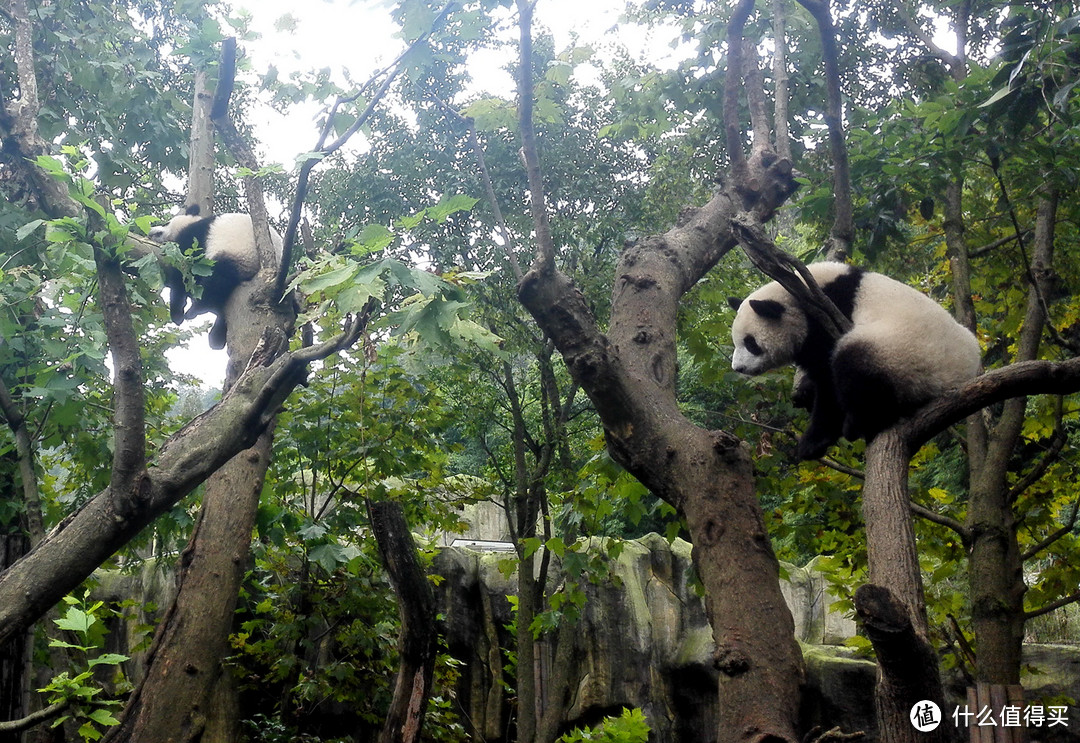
826	419
178	295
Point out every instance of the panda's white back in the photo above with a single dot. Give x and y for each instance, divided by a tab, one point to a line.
231	237
920	344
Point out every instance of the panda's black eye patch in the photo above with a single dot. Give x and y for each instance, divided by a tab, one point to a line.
751	345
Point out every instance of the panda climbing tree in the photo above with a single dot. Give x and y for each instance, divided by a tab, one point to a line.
226	239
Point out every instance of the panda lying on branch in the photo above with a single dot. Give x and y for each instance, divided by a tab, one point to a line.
903	351
226	239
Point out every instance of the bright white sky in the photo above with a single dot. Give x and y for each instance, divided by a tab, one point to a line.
359	36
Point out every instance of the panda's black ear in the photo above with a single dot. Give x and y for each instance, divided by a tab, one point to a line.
193	210
734	303
770	309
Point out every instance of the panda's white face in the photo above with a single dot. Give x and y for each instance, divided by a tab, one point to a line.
164	233
767	332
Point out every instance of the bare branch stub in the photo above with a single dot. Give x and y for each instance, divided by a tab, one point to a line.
789	273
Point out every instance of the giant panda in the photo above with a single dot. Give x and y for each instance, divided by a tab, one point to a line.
902	351
226	239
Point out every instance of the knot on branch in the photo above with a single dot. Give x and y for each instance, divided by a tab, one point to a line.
731	659
764	183
881	611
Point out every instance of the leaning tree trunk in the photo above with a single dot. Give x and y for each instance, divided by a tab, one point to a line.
185	660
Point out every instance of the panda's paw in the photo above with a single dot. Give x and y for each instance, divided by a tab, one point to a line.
219	333
813	447
803	393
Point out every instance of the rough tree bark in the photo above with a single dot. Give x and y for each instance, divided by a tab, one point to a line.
996	565
892	605
629	375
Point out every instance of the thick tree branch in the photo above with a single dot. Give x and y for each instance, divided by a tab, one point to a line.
1015	380
35	718
200	188
755	99
733	127
416	607
75	548
781	94
22	143
545	247
908	662
244	155
843	230
630	377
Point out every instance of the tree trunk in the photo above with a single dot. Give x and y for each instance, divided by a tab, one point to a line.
996	569
630	376
892	605
184	662
908	666
417	641
526	646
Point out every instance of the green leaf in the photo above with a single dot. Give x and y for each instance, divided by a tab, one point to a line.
28	228
88	732
530	546
492	114
103	717
330	279
375	237
75	620
996	97
478	335
411	221
108	659
51	166
557	546
144	223
327	556
354	298
451	205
